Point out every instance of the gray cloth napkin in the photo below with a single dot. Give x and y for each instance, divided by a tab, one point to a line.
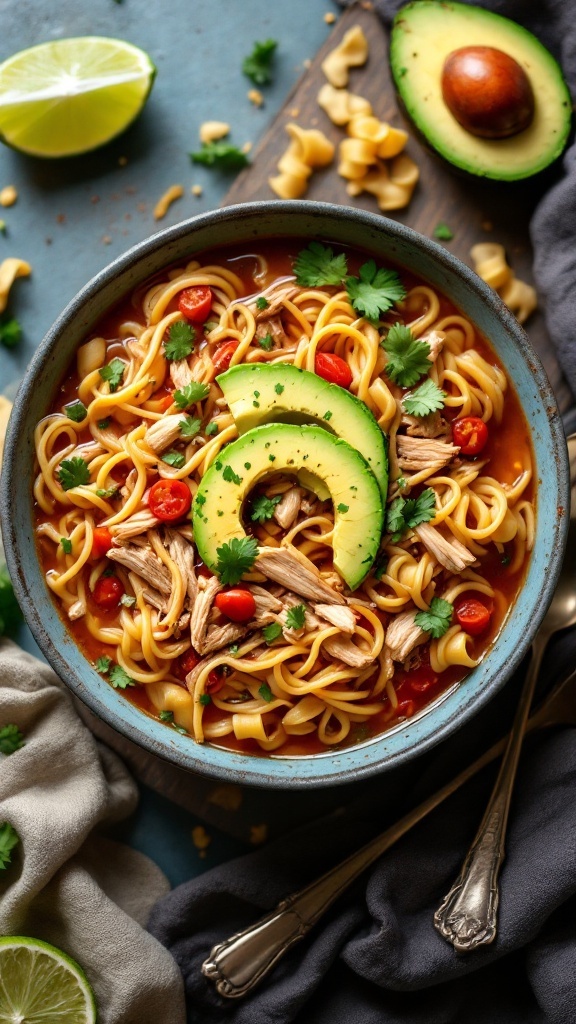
66	884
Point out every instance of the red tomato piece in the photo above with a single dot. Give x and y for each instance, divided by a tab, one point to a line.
223	355
196	303
422	678
236	604
101	541
185	663
165	402
470	433
107	592
405	709
215	681
169	500
333	369
473	616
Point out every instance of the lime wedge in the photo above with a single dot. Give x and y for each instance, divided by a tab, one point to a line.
40	984
69	96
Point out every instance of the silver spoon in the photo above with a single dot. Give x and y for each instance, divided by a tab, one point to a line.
468	914
239	963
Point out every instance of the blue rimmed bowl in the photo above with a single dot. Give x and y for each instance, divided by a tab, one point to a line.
385	240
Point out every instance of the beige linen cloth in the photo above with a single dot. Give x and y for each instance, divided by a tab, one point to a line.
67	884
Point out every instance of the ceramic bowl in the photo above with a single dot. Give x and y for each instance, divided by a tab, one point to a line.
385	240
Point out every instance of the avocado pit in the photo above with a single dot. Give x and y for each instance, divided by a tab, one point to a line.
487	91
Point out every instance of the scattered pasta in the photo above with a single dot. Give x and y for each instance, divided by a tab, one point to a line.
211	131
490	264
308	151
8	195
352	52
165	202
10	269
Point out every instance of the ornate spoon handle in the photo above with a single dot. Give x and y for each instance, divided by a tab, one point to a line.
468	913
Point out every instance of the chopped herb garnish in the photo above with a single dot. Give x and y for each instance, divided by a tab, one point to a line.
247	465
9	838
180	341
211	428
190	394
401	483
426	399
443	233
272	632
436	620
263	508
342	508
265	692
120	678
266	342
108	492
406	513
256	405
66	545
230	476
317	265
103	664
166	716
271	458
407	357
205	698
176	459
236	557
189	427
374	291
127	601
222	155
258	66
262	302
10	332
296	617
73	473
278	388
76	411
327	415
104	424
233	650
11	739
113	373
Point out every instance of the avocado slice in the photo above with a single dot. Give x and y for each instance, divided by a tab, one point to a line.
282	393
286	447
423	35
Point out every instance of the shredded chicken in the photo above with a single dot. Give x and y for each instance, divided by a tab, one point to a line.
77	610
140	522
207	590
145	564
403	635
276	303
181	552
296	572
432	425
436	341
220	636
416	453
265	601
288	507
163	432
345	650
311	621
180	373
449	552
129	483
272	326
337	615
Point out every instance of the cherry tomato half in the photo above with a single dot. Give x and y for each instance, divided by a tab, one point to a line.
473	616
223	355
107	592
169	500
196	303
185	663
101	541
333	369
236	604
470	433
215	681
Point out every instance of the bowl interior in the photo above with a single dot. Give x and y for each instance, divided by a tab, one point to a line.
386	241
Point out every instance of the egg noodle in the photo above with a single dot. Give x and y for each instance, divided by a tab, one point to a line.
319	681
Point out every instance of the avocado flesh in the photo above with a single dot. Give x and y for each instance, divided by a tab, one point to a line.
304	398
284	447
423	34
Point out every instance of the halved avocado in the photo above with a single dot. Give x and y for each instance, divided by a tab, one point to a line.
284	447
424	34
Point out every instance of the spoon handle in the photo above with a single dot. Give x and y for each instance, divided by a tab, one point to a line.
468	914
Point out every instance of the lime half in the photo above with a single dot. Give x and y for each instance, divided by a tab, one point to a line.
69	96
40	984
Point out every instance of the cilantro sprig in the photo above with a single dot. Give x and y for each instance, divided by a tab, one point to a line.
258	65
117	675
11	739
73	473
266	693
374	291
76	411
189	427
436	620
407	357
222	155
236	557
426	399
272	632
296	616
406	513
190	394
317	265
9	838
180	343
263	508
113	373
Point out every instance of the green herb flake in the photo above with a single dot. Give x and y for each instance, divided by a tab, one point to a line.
236	557
342	508
271	458
406	513
233	650
127	601
258	65
317	265
120	679
263	508
436	620
426	399
107	492
180	343
113	374
190	394
76	411
11	739
10	332
102	664
205	699
266	342
278	388
189	427
66	545
173	458
296	617
73	473
272	632
230	476
256	404
104	424
443	233
374	291
407	357
221	155
262	302
327	415
211	429
166	716
9	838
266	693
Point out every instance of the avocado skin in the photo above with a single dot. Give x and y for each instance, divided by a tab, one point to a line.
358	506
431	25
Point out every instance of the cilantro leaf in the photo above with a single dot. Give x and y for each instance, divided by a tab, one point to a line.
176	459
406	513
9	838
265	692
102	664
266	342
407	357
296	617
113	373
233	650
443	233
205	698
374	291
104	424
342	508
11	739
263	508
317	265
120	678
189	427
76	411
66	545
257	67
272	632
236	557
211	428
166	716
10	332
190	394
73	473
230	476
426	399
222	155
180	342
436	620
262	302
278	388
